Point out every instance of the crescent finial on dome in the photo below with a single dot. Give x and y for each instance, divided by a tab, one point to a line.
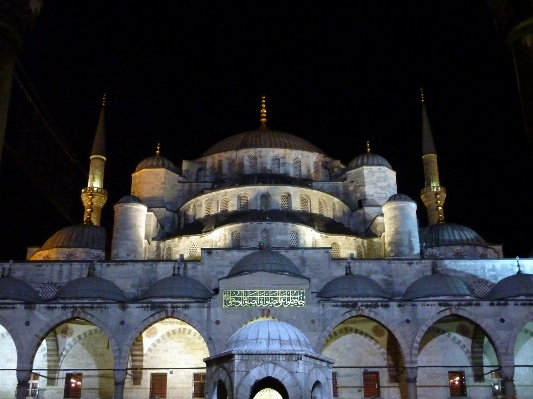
368	147
263	111
158	149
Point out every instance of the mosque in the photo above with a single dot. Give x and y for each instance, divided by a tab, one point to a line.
266	269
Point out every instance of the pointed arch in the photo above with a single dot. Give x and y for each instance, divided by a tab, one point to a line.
244	389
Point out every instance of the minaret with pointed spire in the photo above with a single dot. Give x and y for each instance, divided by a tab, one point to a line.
433	194
94	196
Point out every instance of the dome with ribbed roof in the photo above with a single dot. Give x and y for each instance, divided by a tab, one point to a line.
368	159
157	162
269	336
262	138
130	199
399	198
437	285
265	260
520	284
90	288
177	287
78	236
352	286
441	234
13	289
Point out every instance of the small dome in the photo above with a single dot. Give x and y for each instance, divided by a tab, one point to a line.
368	159
157	162
271	336
441	234
520	284
352	286
437	284
130	199
77	236
178	287
17	290
91	287
399	198
265	260
262	138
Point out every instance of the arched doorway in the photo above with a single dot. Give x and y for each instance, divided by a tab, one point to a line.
8	354
268	388
523	360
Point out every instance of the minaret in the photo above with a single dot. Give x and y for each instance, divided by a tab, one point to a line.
94	196
433	194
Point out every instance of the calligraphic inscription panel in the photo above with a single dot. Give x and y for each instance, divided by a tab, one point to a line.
264	298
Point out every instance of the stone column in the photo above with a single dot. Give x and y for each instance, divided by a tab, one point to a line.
16	17
119	376
410	377
23	378
507	375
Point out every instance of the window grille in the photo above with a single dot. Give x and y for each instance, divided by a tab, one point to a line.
73	385
457	383
208	206
297	167
316	170
304	203
359	252
274	165
158	385
293	238
231	167
168	253
335	250
264	202
252	163
371	388
193	251
335	383
211	170
286	202
243	202
321	207
198	385
235	239
224	204
264	238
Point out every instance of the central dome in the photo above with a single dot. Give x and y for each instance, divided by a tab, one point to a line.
262	138
271	336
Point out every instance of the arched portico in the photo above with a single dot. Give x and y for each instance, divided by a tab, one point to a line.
268	376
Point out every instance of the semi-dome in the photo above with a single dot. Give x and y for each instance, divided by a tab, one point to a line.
441	234
13	289
399	198
269	336
262	138
157	162
368	159
437	285
352	286
520	284
90	287
177	287
84	235
130	199
265	260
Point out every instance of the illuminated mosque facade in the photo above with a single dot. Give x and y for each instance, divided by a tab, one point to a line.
266	269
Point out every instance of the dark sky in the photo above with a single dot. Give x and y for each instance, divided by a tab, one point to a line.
337	73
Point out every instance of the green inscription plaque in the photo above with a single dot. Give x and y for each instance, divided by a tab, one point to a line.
264	298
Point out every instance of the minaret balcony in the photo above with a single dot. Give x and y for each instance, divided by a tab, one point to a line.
94	190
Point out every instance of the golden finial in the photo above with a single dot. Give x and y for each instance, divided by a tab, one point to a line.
89	210
368	146
158	149
422	94
440	213
103	99
263	110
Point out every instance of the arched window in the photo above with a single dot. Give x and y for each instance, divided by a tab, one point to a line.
264	239
200	174
321	207
305	203
235	239
224	204
231	167
264	202
359	252
193	251
252	164
297	167
293	239
316	170
286	202
243	202
335	251
274	165
168	253
208	207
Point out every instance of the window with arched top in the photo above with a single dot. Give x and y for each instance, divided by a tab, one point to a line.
335	251
252	164
235	239
193	252
275	165
321	207
224	204
264	202
168	253
359	252
293	239
286	203
231	167
208	207
316	170
297	167
264	238
243	202
200	174
305	203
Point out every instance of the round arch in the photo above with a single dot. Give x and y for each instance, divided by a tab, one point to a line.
219	375
244	388
515	332
269	382
18	338
318	376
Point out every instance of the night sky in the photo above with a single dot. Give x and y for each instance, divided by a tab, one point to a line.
336	73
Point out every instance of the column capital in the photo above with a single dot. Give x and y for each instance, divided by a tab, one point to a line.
411	373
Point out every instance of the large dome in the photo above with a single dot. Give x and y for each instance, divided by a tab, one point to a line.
262	138
77	236
265	261
177	287
440	234
436	285
269	336
352	286
520	284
